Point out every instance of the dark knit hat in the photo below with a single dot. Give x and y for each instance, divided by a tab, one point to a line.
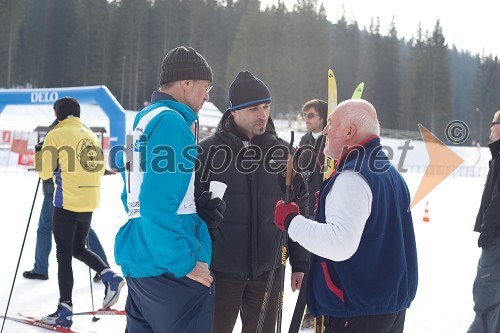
66	107
184	63
247	90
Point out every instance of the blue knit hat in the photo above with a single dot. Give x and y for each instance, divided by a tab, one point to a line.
246	91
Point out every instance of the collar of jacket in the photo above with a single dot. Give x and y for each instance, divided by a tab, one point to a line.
228	132
494	148
160	95
69	121
367	144
160	98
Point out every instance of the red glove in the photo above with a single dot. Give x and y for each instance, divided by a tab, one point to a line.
284	214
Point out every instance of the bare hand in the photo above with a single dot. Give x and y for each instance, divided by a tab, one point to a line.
296	280
201	274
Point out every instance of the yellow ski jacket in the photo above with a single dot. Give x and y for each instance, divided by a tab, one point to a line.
71	154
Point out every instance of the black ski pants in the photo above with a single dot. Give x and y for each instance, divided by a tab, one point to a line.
387	323
245	297
70	231
486	291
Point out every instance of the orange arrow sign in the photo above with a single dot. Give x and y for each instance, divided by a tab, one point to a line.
443	161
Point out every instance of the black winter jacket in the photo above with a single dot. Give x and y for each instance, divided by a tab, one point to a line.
244	244
310	161
488	217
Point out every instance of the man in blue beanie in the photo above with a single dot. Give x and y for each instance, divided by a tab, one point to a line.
240	154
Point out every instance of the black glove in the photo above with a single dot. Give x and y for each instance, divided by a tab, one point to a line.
485	239
210	210
298	185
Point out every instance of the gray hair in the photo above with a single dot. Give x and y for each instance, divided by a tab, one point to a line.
362	120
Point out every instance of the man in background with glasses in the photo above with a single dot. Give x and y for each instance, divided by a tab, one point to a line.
311	160
312	157
487	282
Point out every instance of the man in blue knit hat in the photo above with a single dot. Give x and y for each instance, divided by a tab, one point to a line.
240	154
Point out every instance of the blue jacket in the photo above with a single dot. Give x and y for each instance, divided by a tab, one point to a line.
381	276
161	240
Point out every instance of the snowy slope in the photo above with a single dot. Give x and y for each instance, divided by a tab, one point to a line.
447	253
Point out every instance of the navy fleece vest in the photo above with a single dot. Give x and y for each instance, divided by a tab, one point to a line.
381	277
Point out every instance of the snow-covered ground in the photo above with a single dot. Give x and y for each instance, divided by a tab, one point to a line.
447	253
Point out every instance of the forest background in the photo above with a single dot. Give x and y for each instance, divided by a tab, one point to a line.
120	44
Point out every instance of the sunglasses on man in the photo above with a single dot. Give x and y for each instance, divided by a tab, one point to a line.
309	115
495	123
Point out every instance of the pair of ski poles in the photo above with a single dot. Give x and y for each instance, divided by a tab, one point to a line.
281	252
94	318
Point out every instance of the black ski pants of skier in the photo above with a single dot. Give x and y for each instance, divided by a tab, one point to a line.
70	230
386	323
245	297
486	291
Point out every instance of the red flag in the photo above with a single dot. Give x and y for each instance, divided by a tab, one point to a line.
19	146
6	136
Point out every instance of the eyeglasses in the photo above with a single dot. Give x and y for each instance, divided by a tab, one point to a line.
495	123
208	87
309	115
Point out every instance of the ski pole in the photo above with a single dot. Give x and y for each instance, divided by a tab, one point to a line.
94	318
20	255
284	234
269	286
281	246
300	305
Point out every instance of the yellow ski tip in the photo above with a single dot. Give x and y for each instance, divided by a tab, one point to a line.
332	91
359	91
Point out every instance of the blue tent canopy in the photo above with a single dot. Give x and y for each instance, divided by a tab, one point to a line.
99	95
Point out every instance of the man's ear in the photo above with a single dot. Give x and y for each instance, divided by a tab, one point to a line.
186	83
350	131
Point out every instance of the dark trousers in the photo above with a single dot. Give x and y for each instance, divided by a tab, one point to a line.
486	291
70	231
245	297
166	304
388	323
44	238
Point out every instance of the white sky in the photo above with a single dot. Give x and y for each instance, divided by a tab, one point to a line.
470	25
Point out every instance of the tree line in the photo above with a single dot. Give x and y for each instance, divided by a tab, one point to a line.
121	43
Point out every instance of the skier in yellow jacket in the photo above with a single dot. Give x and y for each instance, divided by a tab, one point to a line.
71	154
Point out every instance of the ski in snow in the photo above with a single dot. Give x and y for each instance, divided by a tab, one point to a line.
102	312
34	321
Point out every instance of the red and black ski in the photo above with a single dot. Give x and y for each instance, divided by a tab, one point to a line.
34	321
102	312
